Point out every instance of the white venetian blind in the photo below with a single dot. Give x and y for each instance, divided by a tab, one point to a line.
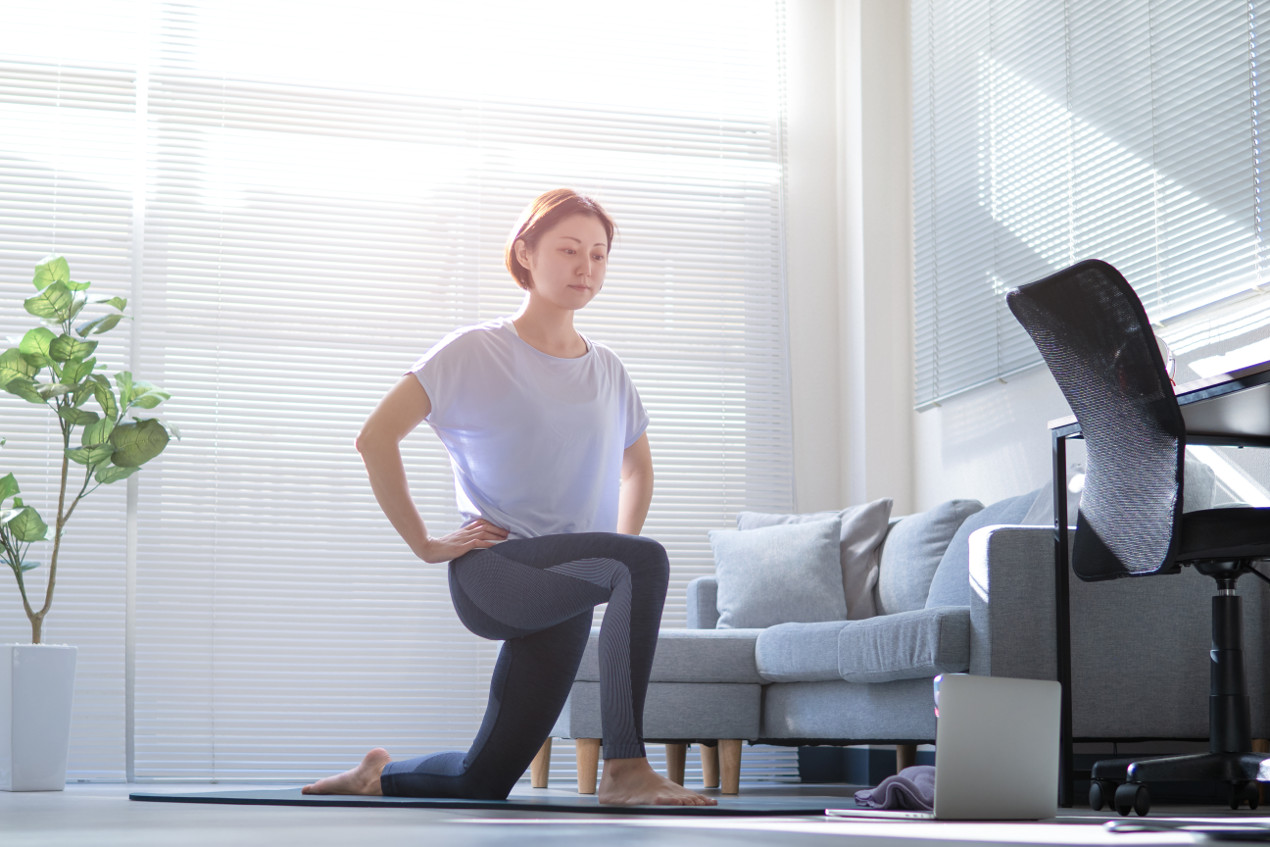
307	201
1046	133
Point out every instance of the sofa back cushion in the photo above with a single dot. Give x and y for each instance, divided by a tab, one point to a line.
778	574
859	547
912	551
951	583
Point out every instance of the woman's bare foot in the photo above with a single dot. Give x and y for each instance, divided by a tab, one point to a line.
363	779
633	782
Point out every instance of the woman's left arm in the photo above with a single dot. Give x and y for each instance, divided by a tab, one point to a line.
637	487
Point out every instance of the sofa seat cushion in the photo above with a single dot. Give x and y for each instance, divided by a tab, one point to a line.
799	652
906	645
690	655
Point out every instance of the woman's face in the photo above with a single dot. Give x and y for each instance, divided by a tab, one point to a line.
568	263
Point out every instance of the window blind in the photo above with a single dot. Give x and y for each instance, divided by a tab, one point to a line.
295	219
1046	133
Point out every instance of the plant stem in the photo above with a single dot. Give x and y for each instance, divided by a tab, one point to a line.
37	620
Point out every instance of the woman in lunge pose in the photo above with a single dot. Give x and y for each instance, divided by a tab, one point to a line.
553	474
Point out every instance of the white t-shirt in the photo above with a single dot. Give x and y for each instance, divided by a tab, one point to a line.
535	441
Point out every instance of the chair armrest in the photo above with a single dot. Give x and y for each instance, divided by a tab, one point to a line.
703	596
1012	631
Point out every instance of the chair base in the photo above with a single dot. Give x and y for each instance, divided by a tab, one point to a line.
1122	783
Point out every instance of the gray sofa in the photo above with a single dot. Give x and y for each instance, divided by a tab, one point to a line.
959	588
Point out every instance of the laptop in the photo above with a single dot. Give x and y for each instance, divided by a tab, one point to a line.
996	751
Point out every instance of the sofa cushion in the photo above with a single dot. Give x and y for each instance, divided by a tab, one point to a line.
778	574
690	655
860	541
905	645
951	584
912	551
798	652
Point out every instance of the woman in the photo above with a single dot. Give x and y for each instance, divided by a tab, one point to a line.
554	476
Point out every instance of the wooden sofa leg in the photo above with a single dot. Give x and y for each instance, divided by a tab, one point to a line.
710	765
540	767
729	765
676	756
588	762
905	756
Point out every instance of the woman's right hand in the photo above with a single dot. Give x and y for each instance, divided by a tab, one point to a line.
477	535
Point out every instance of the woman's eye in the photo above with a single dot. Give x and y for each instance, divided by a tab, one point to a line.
599	257
569	251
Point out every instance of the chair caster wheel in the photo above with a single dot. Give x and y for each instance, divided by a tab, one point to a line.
1133	797
1245	792
1101	793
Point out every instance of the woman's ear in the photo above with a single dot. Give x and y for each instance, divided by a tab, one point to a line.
522	252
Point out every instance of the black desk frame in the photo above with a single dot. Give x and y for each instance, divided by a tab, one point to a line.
1208	396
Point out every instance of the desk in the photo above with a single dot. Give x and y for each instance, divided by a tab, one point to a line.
1233	410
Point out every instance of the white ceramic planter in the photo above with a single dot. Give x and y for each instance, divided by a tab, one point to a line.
37	682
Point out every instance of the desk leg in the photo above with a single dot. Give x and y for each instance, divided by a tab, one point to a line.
1062	624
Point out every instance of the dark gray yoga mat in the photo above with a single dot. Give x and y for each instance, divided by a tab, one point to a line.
546	803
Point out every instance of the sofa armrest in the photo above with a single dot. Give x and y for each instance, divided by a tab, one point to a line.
1012	631
703	596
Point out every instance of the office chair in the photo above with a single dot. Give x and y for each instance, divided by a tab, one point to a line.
1094	335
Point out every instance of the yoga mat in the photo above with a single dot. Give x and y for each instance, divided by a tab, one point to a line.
728	806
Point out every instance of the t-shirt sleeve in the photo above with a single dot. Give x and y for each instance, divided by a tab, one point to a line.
636	416
437	371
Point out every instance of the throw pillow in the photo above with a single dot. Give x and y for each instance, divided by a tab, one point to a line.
860	540
912	551
778	574
951	583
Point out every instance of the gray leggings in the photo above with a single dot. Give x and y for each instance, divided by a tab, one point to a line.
537	595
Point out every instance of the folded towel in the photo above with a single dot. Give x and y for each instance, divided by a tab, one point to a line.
912	788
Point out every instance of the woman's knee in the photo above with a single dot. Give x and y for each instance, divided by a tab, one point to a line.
648	560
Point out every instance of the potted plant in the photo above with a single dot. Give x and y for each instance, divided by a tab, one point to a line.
105	437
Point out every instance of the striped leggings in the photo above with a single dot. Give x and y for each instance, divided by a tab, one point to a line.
537	595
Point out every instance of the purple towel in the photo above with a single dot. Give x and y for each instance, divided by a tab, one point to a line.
912	788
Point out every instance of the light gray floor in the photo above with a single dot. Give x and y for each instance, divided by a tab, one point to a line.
103	816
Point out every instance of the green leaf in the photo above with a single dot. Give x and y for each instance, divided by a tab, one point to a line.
151	399
52	269
105	397
98	432
24	387
66	348
26	525
28	566
8	487
119	303
78	286
78	302
98	326
94	455
137	443
56	389
75	371
13	365
78	417
107	474
53	303
35	346
123	379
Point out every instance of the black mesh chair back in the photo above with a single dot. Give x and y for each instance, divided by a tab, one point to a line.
1094	335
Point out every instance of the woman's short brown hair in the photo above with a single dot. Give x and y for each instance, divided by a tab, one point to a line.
542	214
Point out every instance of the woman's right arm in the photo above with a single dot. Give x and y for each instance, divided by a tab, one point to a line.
403	408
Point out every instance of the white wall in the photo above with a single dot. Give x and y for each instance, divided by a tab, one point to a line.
849	260
848	251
